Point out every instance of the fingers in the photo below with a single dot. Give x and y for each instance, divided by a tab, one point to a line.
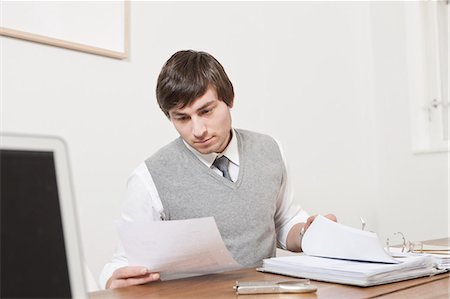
331	217
125	282
127	276
127	272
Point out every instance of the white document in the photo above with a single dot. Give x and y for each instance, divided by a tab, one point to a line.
350	272
326	238
177	248
442	261
337	253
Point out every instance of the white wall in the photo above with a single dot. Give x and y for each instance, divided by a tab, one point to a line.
412	188
328	80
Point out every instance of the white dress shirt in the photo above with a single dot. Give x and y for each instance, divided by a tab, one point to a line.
143	202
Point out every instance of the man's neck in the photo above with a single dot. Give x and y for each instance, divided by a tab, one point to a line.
231	151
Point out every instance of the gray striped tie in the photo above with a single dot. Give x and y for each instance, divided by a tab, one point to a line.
222	164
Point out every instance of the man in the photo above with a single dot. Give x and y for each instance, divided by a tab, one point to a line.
237	176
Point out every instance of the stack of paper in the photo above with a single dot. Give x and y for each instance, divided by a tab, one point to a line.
440	254
349	272
442	261
337	253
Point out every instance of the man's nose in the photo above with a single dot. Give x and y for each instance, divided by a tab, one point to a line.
198	128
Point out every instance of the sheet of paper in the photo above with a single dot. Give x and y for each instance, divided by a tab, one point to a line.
441	260
350	272
176	249
346	267
327	238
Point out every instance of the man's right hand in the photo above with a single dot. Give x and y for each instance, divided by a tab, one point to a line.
128	276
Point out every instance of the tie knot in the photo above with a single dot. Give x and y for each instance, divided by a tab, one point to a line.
222	164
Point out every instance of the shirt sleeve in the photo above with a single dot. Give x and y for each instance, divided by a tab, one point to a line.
142	203
288	213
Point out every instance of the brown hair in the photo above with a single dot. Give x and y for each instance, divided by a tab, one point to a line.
186	76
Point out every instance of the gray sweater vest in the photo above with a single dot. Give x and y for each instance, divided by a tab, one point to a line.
244	210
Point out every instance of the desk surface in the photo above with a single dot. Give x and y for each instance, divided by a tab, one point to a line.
221	286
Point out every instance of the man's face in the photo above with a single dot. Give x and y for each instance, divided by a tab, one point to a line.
205	125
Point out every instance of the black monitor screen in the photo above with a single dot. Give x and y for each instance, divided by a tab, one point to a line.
33	256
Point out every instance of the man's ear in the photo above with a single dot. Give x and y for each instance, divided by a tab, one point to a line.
231	104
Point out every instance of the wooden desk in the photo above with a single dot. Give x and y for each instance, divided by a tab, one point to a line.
221	286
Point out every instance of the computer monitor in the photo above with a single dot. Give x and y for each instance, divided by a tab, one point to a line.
40	249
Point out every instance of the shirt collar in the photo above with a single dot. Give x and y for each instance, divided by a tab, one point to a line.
231	152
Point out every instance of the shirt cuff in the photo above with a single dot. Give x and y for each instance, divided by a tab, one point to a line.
301	216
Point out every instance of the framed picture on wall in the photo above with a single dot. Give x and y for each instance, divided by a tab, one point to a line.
97	27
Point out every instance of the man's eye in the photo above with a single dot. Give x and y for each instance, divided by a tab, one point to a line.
206	111
182	118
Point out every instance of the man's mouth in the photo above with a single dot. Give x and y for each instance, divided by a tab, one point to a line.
203	140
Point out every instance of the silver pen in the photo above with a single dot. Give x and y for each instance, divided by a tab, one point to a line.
274	287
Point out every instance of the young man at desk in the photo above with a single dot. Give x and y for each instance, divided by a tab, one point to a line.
237	176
